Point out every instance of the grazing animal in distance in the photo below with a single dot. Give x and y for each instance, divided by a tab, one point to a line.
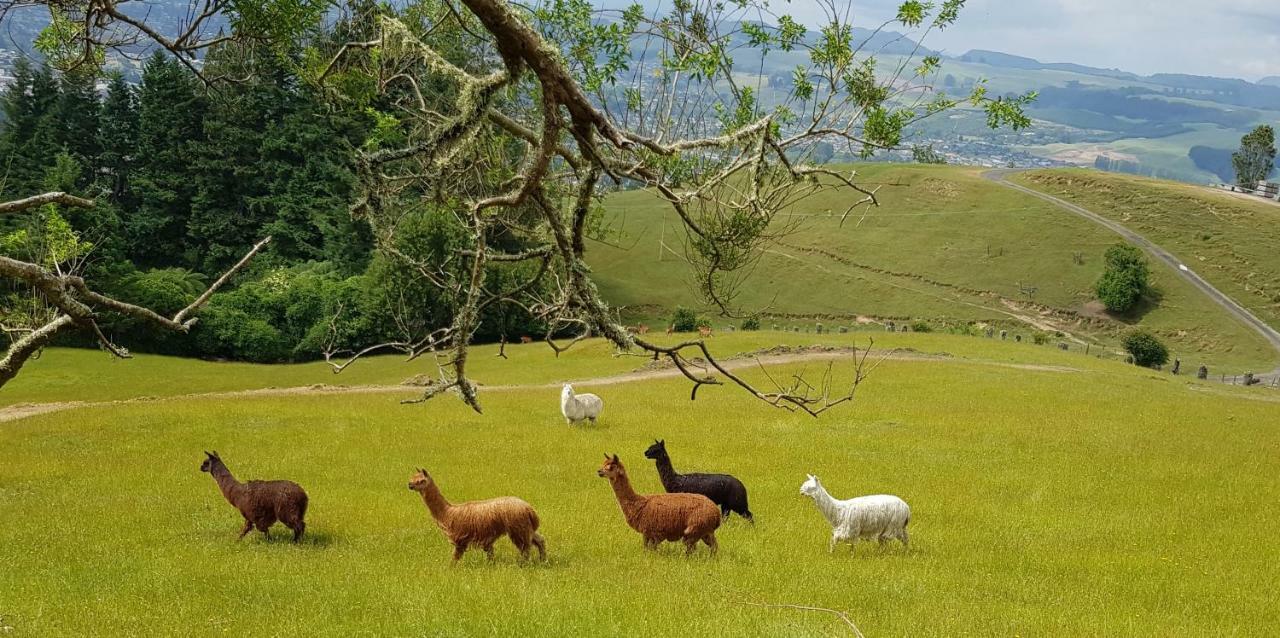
481	523
642	329
261	503
526	339
880	517
670	329
579	407
663	517
704	331
724	490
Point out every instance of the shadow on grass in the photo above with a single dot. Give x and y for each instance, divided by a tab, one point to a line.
1149	301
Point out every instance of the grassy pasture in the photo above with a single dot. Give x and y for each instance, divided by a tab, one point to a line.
1229	240
946	246
1100	501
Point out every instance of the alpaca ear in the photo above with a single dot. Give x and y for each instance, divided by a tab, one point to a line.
615	458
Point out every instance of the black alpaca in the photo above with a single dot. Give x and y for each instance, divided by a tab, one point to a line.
725	491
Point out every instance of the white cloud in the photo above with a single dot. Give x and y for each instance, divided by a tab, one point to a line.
1228	38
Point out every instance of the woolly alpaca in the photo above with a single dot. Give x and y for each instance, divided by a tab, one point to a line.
724	490
880	517
262	503
481	523
578	407
663	517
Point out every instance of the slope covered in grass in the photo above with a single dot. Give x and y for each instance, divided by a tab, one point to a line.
1101	501
945	246
1230	240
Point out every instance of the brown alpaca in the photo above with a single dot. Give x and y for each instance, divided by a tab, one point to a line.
663	517
261	503
481	523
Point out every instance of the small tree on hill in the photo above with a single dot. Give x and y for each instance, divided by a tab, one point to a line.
1146	349
684	320
1257	156
1124	280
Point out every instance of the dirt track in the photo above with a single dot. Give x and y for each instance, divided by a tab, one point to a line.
24	410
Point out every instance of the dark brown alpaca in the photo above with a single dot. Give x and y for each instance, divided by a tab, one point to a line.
262	503
663	517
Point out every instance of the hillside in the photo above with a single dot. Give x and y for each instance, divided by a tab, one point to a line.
1046	499
946	247
1229	239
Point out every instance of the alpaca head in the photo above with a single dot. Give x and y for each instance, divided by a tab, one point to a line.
210	460
420	480
612	468
566	393
811	487
657	450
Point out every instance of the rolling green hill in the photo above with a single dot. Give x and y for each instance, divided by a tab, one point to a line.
945	246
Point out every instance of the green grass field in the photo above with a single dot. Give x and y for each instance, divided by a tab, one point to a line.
1083	497
1229	240
945	246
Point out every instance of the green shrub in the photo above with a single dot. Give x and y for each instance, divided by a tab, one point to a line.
750	323
1040	338
702	322
1124	280
1146	349
921	326
684	320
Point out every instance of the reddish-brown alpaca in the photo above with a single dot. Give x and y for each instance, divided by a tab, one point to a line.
481	523
663	517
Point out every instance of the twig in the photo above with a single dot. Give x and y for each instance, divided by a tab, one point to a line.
843	616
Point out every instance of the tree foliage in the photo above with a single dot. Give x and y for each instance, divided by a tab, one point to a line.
1124	278
1146	349
1256	159
488	134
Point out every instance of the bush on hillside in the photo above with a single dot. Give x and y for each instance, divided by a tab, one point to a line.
1124	280
921	326
750	324
1146	349
684	320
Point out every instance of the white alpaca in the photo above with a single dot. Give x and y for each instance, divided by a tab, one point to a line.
880	517
577	407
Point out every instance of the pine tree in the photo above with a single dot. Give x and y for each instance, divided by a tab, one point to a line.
170	112
28	144
76	121
117	139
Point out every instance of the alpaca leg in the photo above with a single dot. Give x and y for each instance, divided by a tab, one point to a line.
521	541
902	536
689	545
488	550
831	547
724	512
710	540
248	527
746	513
458	550
541	544
298	528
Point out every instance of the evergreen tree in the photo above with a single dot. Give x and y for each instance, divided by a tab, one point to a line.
28	144
170	111
75	121
118	139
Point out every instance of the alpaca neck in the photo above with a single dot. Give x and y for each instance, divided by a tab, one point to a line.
627	496
666	473
226	482
827	505
435	501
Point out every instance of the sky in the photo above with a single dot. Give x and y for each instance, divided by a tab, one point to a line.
1224	38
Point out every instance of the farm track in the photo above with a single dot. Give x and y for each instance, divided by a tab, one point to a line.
24	410
1177	265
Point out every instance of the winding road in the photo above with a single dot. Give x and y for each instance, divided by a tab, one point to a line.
1217	296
